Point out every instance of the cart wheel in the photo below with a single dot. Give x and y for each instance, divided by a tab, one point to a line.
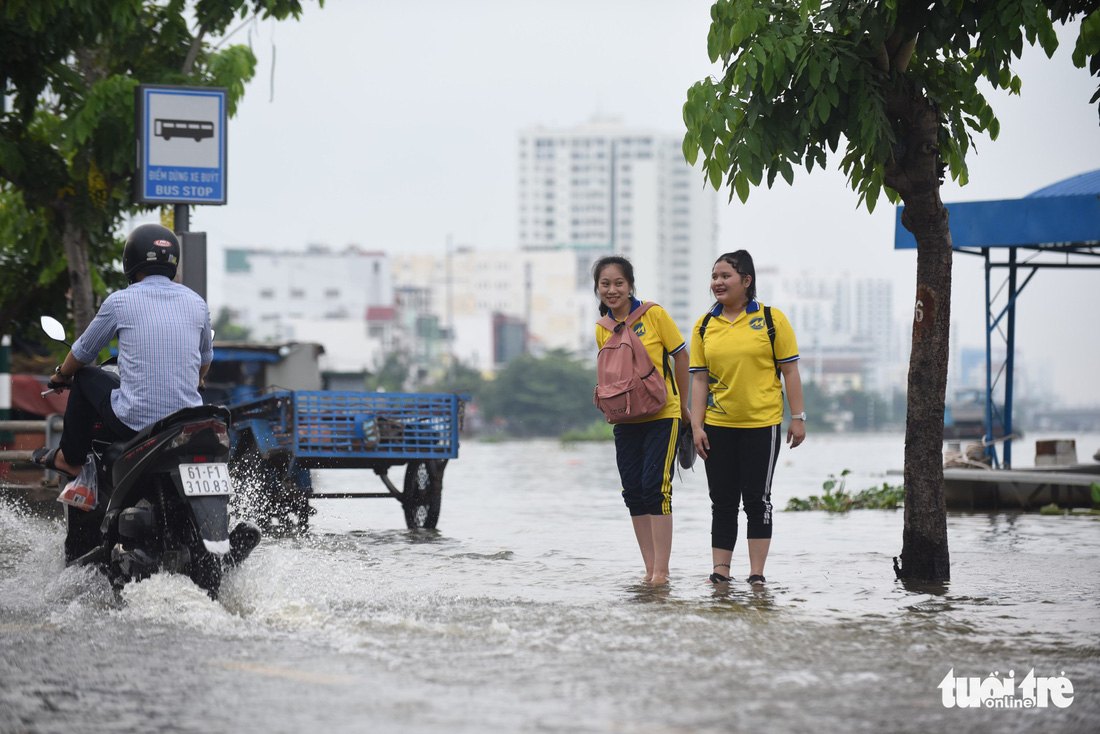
421	497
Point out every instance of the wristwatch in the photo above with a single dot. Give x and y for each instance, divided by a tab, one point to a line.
798	416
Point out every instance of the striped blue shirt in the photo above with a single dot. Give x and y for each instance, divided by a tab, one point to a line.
164	338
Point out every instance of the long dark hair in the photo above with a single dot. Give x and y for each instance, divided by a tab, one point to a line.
741	261
603	262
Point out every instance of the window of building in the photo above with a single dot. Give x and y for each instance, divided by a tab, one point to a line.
267	294
297	293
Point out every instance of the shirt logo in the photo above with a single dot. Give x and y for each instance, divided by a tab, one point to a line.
715	385
639	329
756	323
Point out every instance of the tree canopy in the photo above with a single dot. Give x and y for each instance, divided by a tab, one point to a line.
67	141
541	396
804	80
891	87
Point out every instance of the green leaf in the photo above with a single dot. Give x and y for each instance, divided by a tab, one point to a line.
815	73
873	190
787	171
691	149
741	186
714	172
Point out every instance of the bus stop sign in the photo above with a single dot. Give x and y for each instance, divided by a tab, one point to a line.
180	144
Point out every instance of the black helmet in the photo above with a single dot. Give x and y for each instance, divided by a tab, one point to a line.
151	249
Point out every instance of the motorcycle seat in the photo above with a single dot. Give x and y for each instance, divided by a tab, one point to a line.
184	415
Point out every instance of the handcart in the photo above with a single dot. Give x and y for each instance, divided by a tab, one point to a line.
278	437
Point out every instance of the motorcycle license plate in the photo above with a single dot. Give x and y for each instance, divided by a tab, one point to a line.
205	480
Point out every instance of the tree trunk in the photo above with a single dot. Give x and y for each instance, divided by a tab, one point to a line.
75	242
916	177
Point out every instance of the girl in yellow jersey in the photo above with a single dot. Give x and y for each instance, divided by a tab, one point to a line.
645	450
737	409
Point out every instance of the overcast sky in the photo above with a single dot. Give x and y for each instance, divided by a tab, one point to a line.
392	125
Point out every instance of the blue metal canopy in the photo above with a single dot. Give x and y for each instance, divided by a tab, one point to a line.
1057	226
1062	213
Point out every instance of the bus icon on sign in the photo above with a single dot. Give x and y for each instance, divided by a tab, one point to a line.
197	129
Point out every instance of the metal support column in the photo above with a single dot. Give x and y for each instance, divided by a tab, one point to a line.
990	449
1010	357
181	218
5	385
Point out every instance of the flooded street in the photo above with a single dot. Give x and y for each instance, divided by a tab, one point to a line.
523	613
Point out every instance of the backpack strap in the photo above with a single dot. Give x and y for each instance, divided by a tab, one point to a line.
771	336
703	326
666	369
609	323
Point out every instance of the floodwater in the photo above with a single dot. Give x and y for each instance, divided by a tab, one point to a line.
523	613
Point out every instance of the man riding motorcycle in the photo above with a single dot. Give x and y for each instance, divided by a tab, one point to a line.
165	348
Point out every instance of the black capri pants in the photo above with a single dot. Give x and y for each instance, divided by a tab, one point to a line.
740	465
89	404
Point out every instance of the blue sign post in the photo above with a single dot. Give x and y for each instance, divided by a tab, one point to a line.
181	144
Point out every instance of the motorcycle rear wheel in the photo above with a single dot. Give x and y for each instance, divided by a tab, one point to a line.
206	571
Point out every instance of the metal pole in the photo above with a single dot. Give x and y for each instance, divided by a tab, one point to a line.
990	450
527	307
450	309
1010	357
193	267
5	385
181	214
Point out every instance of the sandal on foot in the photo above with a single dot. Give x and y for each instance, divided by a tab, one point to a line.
757	580
717	578
46	458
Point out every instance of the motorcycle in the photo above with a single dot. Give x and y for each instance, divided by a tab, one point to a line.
163	499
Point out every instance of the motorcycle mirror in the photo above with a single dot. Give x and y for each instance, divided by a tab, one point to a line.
53	329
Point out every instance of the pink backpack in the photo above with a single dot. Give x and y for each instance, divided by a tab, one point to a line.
628	385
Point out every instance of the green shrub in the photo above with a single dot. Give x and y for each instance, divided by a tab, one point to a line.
597	430
837	499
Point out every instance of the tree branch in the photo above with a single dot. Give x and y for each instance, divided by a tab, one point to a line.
193	52
882	58
904	55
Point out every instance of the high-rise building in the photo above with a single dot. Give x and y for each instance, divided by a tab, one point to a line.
847	335
603	188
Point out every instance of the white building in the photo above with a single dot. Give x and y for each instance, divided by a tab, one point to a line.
847	334
317	295
479	297
604	188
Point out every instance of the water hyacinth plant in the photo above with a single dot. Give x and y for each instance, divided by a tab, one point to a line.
837	499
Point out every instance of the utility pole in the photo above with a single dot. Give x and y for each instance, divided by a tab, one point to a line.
450	310
527	307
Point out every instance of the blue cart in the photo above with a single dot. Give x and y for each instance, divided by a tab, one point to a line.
278	437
